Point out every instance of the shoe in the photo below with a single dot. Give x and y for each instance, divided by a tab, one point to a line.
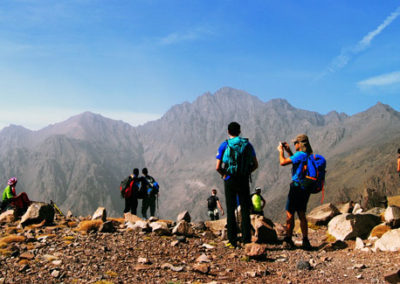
230	246
288	243
306	244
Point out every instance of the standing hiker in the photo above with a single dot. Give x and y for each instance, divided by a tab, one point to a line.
213	204
258	202
129	190
150	189
298	196
236	160
20	202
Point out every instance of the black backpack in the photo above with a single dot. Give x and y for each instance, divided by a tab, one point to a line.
212	202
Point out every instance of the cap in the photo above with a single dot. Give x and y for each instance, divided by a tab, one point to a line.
301	138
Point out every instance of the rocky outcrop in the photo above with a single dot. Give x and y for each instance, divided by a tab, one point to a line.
392	216
349	226
264	232
183	228
184	216
7	216
321	215
38	212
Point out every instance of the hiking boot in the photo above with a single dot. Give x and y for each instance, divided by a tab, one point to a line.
288	243
306	244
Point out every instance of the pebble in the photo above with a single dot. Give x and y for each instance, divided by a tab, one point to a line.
303	265
55	273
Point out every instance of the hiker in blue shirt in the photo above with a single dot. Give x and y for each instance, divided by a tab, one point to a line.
236	160
298	196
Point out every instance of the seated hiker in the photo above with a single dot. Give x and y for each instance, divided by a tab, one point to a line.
398	161
258	202
20	202
213	205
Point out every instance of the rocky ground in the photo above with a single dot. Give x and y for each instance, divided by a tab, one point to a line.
63	252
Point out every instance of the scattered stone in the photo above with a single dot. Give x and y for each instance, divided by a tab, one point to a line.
36	213
359	276
392	216
255	250
55	273
27	255
390	241
207	246
202	268
100	213
181	239
160	228
174	243
203	259
184	216
132	218
183	228
357	209
359	244
359	266
7	216
303	265
393	277
349	226
251	274
56	262
153	219
143	260
172	267
321	215
199	226
69	214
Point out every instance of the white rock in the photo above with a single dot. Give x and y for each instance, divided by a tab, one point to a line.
390	241
100	213
392	213
359	244
357	209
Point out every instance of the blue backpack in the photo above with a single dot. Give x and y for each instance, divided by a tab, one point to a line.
314	174
237	157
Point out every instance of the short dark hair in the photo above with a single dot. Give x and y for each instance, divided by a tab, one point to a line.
398	151
136	171
145	171
234	128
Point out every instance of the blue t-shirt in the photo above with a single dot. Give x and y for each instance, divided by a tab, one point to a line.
223	147
299	159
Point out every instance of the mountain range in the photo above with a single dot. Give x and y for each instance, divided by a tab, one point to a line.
80	162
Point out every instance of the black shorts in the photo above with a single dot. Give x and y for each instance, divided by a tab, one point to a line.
297	199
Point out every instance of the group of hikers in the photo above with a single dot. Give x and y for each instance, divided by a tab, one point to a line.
236	160
136	187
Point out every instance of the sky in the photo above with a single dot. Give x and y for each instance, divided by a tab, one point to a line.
132	60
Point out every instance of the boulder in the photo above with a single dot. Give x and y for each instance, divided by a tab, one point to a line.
7	216
184	216
255	250
264	231
101	214
345	207
36	213
139	226
359	244
216	226
321	215
390	241
183	228
132	218
107	227
349	226
392	216
372	197
160	228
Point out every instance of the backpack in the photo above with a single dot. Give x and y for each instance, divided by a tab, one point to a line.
124	185
314	171
211	202
153	188
237	157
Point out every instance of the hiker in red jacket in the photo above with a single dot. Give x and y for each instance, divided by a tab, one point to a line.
20	202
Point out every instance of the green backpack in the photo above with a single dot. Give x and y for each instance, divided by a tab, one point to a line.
237	158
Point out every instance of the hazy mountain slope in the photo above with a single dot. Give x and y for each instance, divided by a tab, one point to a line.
79	162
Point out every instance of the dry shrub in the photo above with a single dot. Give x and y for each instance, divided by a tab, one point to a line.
11	230
330	238
23	262
379	230
72	224
49	236
5	252
12	239
111	273
314	227
89	225
69	238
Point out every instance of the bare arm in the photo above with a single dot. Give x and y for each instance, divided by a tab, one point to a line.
283	161
220	207
255	164
398	165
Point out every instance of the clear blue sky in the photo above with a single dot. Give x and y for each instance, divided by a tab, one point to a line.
133	60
